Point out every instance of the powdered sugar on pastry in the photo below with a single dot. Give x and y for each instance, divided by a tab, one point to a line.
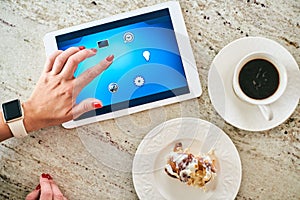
196	170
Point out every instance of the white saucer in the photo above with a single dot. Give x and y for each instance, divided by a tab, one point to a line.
241	114
151	181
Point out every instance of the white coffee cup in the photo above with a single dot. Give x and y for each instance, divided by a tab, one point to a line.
252	81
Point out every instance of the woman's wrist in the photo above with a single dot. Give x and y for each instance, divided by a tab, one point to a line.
5	132
29	120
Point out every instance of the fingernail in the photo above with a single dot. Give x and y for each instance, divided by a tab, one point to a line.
110	58
49	177
38	187
97	105
94	50
81	47
46	176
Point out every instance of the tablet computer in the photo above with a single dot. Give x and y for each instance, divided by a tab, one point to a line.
153	65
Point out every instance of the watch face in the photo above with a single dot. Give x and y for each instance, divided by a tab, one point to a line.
12	110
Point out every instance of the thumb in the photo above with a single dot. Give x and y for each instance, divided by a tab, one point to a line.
85	106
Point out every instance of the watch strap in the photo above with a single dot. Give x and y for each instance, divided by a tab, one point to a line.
17	128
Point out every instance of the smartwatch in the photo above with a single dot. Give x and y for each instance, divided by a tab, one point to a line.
13	117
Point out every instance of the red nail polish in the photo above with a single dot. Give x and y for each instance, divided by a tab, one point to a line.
49	177
38	187
110	58
81	47
44	175
97	105
94	50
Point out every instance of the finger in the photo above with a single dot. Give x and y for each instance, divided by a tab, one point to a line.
91	73
85	106
73	61
34	195
50	60
57	194
46	190
62	59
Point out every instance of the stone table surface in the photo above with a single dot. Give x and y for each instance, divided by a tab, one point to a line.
78	159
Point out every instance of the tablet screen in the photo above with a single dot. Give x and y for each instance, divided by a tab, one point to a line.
147	65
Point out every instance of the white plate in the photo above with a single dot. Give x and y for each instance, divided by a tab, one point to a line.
233	110
151	181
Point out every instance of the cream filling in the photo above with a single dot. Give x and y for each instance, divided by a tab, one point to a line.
189	168
170	171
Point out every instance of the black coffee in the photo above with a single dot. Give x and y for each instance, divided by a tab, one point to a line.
259	79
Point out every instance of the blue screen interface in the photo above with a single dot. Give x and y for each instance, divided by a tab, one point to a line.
147	66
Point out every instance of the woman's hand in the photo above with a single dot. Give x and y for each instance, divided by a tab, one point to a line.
54	99
46	190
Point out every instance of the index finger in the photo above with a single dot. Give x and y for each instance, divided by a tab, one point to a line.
46	190
73	61
92	73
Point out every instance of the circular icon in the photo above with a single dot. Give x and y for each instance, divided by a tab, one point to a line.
139	81
113	87
128	37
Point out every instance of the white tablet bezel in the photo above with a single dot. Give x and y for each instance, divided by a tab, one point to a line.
185	50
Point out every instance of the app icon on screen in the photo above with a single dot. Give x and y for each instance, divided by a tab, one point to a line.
139	81
128	37
146	55
102	43
113	87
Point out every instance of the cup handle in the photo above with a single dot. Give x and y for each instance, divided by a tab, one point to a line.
266	112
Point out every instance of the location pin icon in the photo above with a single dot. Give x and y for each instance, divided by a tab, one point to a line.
146	55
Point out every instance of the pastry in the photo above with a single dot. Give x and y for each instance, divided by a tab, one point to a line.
196	170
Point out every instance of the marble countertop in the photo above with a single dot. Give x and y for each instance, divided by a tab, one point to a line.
77	158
